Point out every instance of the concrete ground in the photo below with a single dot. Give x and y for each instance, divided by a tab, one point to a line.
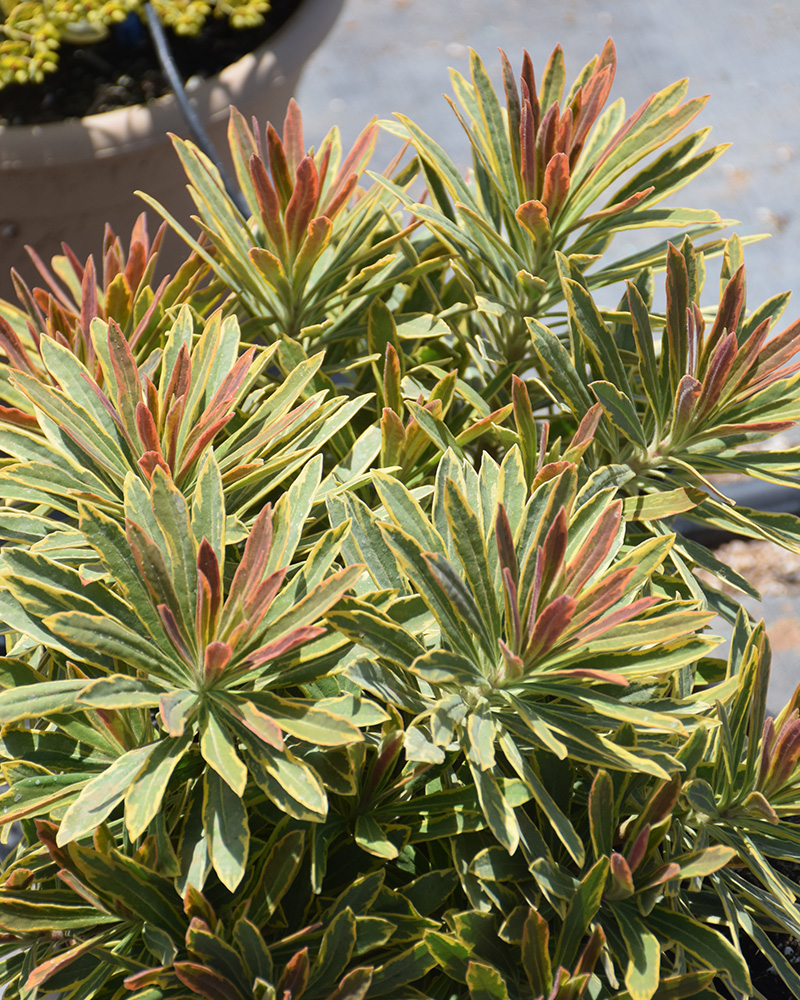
393	55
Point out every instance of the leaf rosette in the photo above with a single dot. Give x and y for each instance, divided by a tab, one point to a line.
544	630
207	661
168	412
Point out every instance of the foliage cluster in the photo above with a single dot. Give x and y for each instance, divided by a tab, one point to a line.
33	31
351	649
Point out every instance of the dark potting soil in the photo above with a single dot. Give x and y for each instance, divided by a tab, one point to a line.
764	978
123	69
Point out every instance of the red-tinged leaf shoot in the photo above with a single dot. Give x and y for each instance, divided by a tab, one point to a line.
258	603
621	878
175	709
596	547
513	665
47	834
20	878
695	325
590	421
767	741
13	348
279	167
259	723
271	269
784	756
662	801
664	874
729	313
293	135
677	305
545	145
505	544
594	94
272	650
552	469
564	135
254	561
174	633
686	396
392	375
18	418
109	408
334	205
779	350
269	207
190	459
513	624
618	617
532	600
89	311
151	400
716	377
534	218
526	427
638	850
393	439
553	552
225	395
294	980
195	904
388	752
206	982
528	89
216	658
316	239
353	166
606	676
150	461
544	438
302	204
590	954
123	364
146	426
617	209
756	804
550	625
527	147
181	378
208	566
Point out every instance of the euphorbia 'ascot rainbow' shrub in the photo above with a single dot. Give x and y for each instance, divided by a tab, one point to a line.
351	651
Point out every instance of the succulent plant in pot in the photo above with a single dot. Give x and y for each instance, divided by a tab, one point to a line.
85	110
351	651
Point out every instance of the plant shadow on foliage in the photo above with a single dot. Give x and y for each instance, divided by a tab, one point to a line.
351	651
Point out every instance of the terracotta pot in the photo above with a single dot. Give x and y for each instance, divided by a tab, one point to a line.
63	181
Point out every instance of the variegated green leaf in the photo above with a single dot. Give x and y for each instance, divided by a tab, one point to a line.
226	828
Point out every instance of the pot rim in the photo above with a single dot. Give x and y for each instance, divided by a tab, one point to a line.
124	130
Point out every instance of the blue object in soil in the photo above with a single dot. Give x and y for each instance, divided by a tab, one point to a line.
130	32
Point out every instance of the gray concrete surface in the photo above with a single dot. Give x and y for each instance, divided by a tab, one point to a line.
385	56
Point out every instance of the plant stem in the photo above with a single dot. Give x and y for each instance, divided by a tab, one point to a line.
201	137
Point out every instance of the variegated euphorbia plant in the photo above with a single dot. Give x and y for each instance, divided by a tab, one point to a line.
74	294
316	249
157	629
541	166
536	614
351	649
681	403
80	435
